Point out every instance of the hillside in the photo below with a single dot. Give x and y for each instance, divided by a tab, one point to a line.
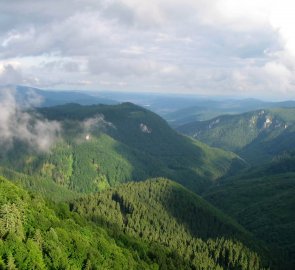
39	185
256	136
92	179
262	200
103	146
35	234
163	212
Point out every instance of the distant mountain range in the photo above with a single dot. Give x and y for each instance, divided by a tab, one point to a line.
47	98
207	109
256	136
176	109
180	109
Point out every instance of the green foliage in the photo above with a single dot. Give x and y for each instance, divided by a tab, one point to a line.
262	200
53	238
40	185
97	165
163	212
155	224
104	146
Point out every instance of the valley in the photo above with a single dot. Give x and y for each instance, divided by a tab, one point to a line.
107	173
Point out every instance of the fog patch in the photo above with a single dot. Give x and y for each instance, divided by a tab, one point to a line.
17	124
145	129
95	125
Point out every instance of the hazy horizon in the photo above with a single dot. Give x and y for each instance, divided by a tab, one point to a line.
193	95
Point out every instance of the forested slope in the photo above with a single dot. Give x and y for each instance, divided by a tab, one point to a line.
256	136
103	145
38	234
163	212
262	200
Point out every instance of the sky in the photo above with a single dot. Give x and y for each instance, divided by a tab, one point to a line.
207	47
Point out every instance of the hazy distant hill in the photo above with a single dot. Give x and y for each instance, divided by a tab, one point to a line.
206	109
180	109
256	136
26	94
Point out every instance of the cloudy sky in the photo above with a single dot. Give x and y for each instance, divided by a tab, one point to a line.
213	47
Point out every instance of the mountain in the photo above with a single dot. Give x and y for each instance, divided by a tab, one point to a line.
160	103
163	212
204	110
86	195
180	109
262	200
105	145
176	109
45	98
256	136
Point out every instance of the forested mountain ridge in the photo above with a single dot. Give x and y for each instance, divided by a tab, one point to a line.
104	145
262	200
37	234
256	136
163	212
101	148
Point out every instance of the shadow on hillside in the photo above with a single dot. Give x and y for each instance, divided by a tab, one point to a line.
264	148
179	164
198	217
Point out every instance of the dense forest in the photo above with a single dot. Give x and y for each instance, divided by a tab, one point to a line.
39	234
103	146
100	198
161	211
264	200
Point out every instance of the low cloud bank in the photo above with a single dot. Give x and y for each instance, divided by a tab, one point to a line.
17	124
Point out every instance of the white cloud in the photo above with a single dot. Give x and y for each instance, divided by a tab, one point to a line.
282	20
17	124
10	73
178	45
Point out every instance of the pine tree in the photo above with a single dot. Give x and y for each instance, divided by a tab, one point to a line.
10	262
